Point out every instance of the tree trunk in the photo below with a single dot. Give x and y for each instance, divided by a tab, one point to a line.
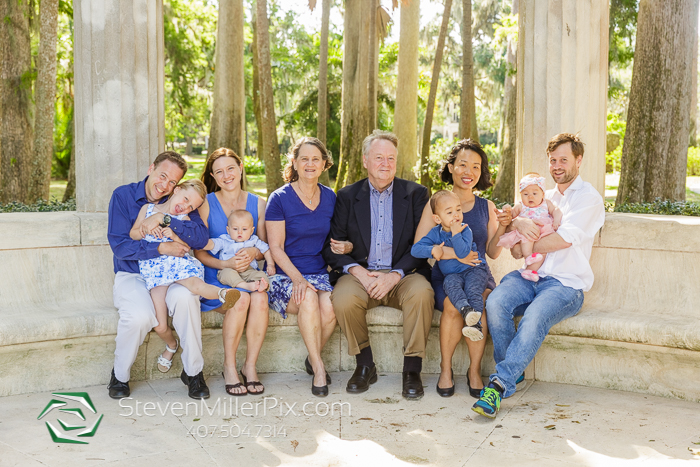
467	117
406	108
323	82
16	132
427	125
694	90
228	108
45	98
655	150
70	186
256	92
270	146
504	188
355	122
372	65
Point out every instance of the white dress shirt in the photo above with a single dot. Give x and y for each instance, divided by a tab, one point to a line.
584	215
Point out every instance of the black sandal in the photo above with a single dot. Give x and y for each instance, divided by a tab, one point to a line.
247	383
230	387
446	392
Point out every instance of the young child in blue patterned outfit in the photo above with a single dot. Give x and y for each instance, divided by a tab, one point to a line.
464	285
240	235
164	270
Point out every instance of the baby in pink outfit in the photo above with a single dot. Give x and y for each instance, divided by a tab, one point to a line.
533	206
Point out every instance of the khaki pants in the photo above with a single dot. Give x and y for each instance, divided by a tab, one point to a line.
137	317
413	295
231	277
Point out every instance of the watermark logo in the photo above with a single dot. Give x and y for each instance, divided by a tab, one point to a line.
70	414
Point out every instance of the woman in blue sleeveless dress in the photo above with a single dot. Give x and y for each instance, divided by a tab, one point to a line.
466	169
223	177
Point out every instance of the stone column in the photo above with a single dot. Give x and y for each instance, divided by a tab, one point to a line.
119	88
562	83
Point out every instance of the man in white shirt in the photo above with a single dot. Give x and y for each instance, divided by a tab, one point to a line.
564	276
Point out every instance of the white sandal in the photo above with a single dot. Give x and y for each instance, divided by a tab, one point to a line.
163	363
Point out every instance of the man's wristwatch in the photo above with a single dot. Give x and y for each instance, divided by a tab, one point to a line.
166	220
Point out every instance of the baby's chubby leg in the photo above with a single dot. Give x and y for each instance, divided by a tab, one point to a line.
232	278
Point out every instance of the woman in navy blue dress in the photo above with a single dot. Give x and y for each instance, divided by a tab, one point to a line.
298	220
467	170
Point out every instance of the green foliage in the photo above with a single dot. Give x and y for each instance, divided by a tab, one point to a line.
615	124
659	206
39	206
253	166
296	85
623	29
63	116
622	33
439	151
693	162
189	28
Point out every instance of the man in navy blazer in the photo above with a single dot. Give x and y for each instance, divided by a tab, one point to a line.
379	215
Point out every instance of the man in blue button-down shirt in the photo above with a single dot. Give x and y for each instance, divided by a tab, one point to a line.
136	312
379	215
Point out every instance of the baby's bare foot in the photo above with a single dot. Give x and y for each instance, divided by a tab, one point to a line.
249	286
262	285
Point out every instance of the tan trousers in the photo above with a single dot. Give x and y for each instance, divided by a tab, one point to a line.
413	295
231	277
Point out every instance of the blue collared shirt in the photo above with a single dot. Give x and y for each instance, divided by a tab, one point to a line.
462	243
124	207
381	205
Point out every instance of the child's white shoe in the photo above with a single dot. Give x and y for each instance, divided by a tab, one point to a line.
163	363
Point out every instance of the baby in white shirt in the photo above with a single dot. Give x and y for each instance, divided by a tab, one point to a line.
240	235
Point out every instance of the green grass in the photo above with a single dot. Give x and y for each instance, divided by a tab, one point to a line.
57	188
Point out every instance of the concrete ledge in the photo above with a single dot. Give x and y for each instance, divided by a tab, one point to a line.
639	329
648	369
651	232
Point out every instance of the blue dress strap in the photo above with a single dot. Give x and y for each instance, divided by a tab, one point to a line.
251	205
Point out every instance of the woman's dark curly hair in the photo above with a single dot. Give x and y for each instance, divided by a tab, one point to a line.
468	145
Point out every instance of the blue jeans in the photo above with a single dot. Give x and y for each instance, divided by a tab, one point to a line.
542	305
467	288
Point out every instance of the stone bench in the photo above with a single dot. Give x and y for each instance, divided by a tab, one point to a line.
639	328
58	323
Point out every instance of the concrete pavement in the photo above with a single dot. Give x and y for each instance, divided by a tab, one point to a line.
542	424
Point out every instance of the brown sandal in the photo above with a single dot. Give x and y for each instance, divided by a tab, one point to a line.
252	383
230	387
228	298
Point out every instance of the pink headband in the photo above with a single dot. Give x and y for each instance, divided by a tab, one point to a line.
529	180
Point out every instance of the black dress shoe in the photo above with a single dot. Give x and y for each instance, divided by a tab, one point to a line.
475	393
310	370
446	392
361	379
320	391
197	387
412	385
118	389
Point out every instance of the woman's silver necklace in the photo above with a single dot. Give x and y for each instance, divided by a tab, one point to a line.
313	193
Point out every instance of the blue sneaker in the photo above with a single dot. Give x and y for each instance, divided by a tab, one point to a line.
489	403
520	379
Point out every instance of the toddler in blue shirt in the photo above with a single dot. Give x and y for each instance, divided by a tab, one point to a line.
464	285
